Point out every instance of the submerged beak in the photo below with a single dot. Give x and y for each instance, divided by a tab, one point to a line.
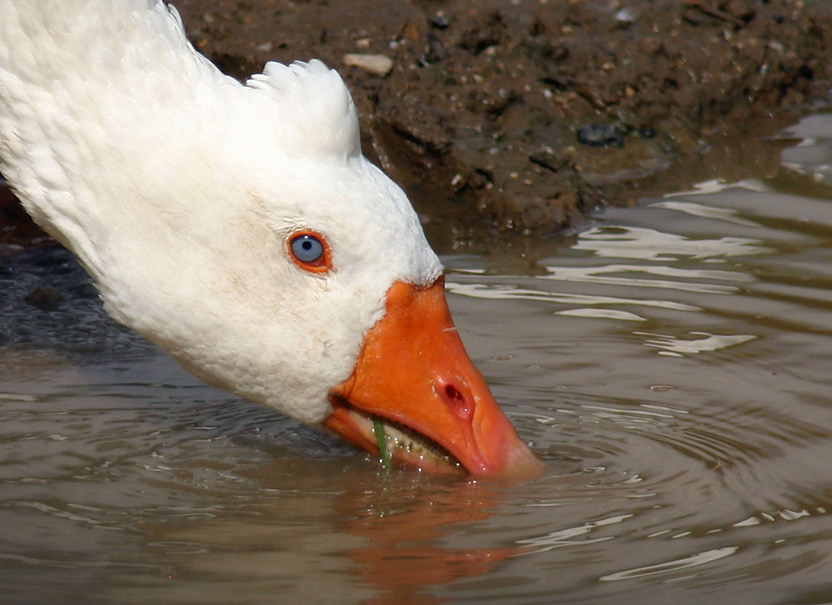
414	376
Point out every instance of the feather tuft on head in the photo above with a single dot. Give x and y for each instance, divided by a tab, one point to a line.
315	113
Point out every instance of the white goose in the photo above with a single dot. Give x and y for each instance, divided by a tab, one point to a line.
239	227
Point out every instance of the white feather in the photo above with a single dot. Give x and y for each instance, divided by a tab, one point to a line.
313	106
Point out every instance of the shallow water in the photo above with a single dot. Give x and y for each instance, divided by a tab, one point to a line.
670	362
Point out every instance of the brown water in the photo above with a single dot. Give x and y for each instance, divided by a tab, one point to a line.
671	363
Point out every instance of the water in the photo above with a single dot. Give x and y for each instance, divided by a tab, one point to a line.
670	362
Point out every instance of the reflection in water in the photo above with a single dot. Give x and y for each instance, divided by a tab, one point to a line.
679	564
649	244
599	275
501	292
699	343
382	538
403	554
567	537
723	214
671	366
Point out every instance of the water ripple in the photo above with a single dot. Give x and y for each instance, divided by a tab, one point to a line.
702	558
622	241
510	292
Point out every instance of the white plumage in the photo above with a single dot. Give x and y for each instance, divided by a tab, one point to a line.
176	187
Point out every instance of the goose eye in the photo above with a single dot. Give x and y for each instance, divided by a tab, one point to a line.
310	251
307	248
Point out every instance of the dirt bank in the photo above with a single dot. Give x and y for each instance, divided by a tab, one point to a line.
524	115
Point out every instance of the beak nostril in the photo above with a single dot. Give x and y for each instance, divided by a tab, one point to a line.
453	393
457	401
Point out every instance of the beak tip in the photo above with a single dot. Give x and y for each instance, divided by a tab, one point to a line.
517	463
504	453
523	464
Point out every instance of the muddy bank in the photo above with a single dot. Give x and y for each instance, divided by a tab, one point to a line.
524	116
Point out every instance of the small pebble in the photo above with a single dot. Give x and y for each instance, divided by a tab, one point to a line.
439	21
44	297
626	15
377	65
601	135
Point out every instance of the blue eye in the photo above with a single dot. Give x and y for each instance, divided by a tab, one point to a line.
307	249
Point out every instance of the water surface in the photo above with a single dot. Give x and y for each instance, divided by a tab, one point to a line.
670	363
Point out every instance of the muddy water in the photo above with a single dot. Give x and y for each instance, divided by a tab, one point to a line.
670	362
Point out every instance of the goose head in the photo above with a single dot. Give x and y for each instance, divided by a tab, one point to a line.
239	227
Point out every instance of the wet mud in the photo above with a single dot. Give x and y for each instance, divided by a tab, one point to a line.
485	111
525	116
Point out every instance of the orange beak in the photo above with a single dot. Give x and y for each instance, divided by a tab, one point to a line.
413	372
